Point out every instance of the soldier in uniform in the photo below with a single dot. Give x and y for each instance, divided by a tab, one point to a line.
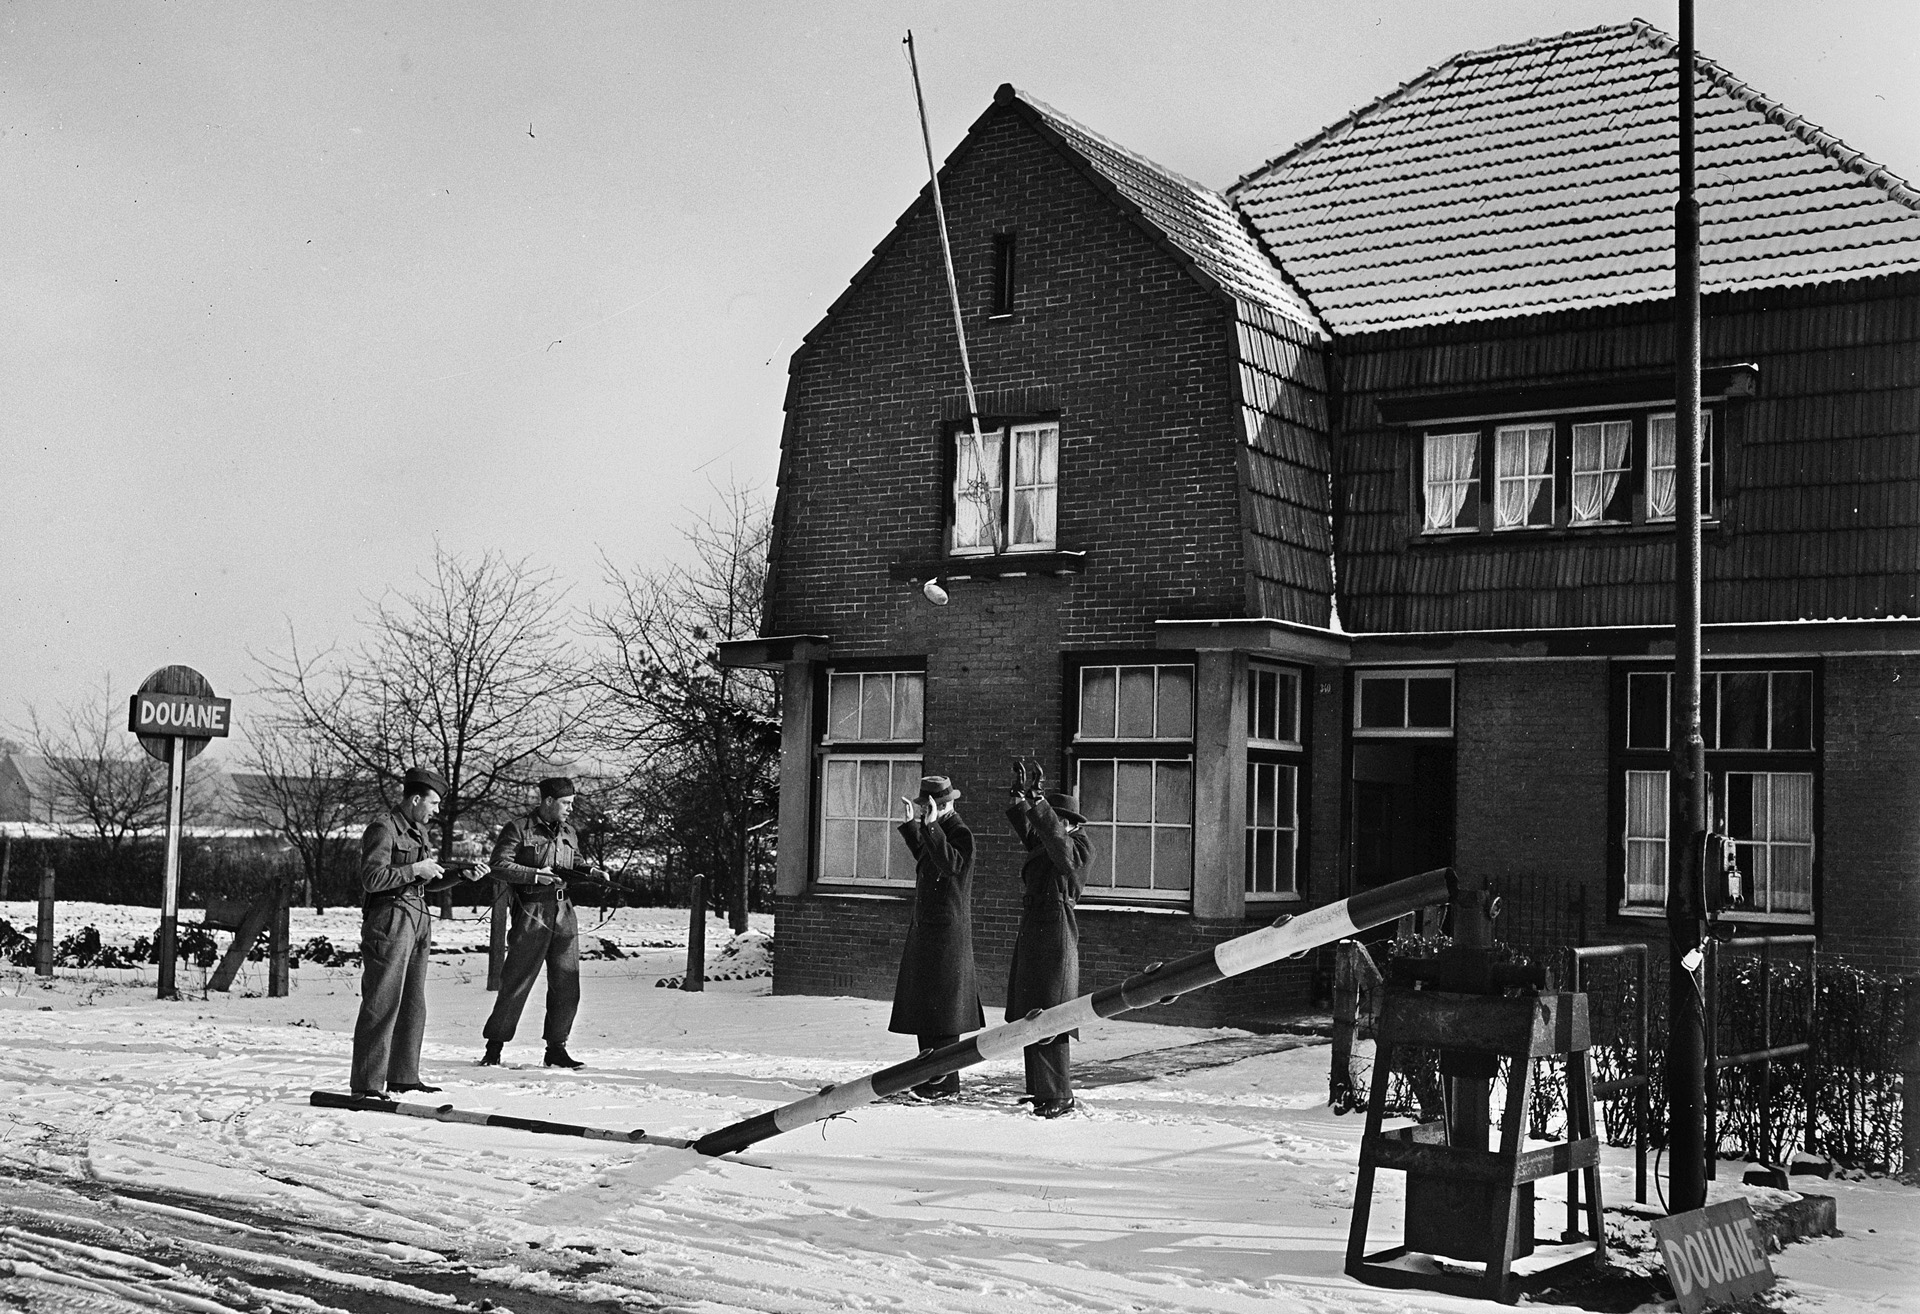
534	856
937	995
397	871
1046	952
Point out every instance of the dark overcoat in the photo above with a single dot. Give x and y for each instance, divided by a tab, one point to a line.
937	993
1046	953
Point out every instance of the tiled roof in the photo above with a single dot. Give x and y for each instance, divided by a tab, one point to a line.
1196	219
1542	176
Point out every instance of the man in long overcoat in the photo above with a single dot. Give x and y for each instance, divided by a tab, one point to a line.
937	995
1046	953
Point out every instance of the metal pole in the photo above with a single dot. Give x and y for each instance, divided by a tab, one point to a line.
1160	984
1687	1140
170	880
43	931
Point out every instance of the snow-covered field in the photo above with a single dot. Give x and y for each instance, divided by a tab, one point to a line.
1206	1188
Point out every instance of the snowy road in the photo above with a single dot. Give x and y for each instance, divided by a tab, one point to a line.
1214	1186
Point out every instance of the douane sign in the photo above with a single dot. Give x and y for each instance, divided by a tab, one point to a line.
1714	1255
179	714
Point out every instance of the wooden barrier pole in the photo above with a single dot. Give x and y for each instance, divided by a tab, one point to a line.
43	932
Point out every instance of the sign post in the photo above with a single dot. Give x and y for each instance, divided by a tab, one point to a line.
175	713
1714	1255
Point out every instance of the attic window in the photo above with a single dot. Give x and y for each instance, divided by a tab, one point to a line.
1003	273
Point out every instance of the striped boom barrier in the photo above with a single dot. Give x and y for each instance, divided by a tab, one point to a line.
326	1099
1158	984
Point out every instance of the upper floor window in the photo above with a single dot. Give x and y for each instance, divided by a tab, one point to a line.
1416	703
1006	489
1578	473
875	706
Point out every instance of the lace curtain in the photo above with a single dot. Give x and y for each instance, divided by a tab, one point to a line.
1452	469
1523	458
976	491
1599	464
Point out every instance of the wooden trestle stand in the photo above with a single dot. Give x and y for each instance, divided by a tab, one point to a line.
1467	1202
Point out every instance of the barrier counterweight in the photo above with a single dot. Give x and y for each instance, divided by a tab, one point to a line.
1157	984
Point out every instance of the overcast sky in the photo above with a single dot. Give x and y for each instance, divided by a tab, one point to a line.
287	292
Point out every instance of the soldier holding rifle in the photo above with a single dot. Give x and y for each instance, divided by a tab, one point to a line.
397	872
937	995
1046	952
534	857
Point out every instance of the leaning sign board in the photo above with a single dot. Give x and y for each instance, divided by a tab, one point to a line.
1714	1255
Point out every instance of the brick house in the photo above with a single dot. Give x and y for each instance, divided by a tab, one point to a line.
1319	531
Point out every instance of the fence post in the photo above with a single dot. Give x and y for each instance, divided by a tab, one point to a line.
43	932
279	934
696	977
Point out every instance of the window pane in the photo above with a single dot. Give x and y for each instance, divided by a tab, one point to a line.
1096	702
843	707
1452	481
1133	857
1260	704
1792	879
1133	791
1100	870
1647	805
1283	859
1382	703
1172	858
872	860
1647	710
1792	709
1746	807
1523	469
1600	490
1287	718
1647	872
1260	862
876	707
1173	782
976	490
1743	709
906	782
843	789
837	857
909	693
1096	790
1033	517
1175	703
875	778
1262	781
1136	702
1430	702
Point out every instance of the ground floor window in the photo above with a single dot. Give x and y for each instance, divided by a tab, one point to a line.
1140	819
1273	829
859	815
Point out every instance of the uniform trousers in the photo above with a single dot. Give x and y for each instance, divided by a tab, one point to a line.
948	1084
394	937
542	932
1047	1069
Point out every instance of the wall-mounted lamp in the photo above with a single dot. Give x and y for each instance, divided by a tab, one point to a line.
933	593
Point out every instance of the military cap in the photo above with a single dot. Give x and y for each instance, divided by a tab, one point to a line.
419	779
557	787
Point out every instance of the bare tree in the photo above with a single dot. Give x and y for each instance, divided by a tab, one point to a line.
299	787
700	741
102	783
469	674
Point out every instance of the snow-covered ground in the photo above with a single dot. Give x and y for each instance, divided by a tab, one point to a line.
1207	1188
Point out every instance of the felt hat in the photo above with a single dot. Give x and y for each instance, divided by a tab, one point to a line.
1066	806
419	778
557	787
938	788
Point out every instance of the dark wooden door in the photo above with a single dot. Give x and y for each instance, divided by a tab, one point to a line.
1401	809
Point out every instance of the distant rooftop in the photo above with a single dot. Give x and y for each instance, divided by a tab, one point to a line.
1542	176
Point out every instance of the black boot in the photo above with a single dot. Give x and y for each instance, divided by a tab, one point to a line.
557	1057
491	1059
411	1086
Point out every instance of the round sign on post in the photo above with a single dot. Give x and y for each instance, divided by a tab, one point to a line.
174	713
182	680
